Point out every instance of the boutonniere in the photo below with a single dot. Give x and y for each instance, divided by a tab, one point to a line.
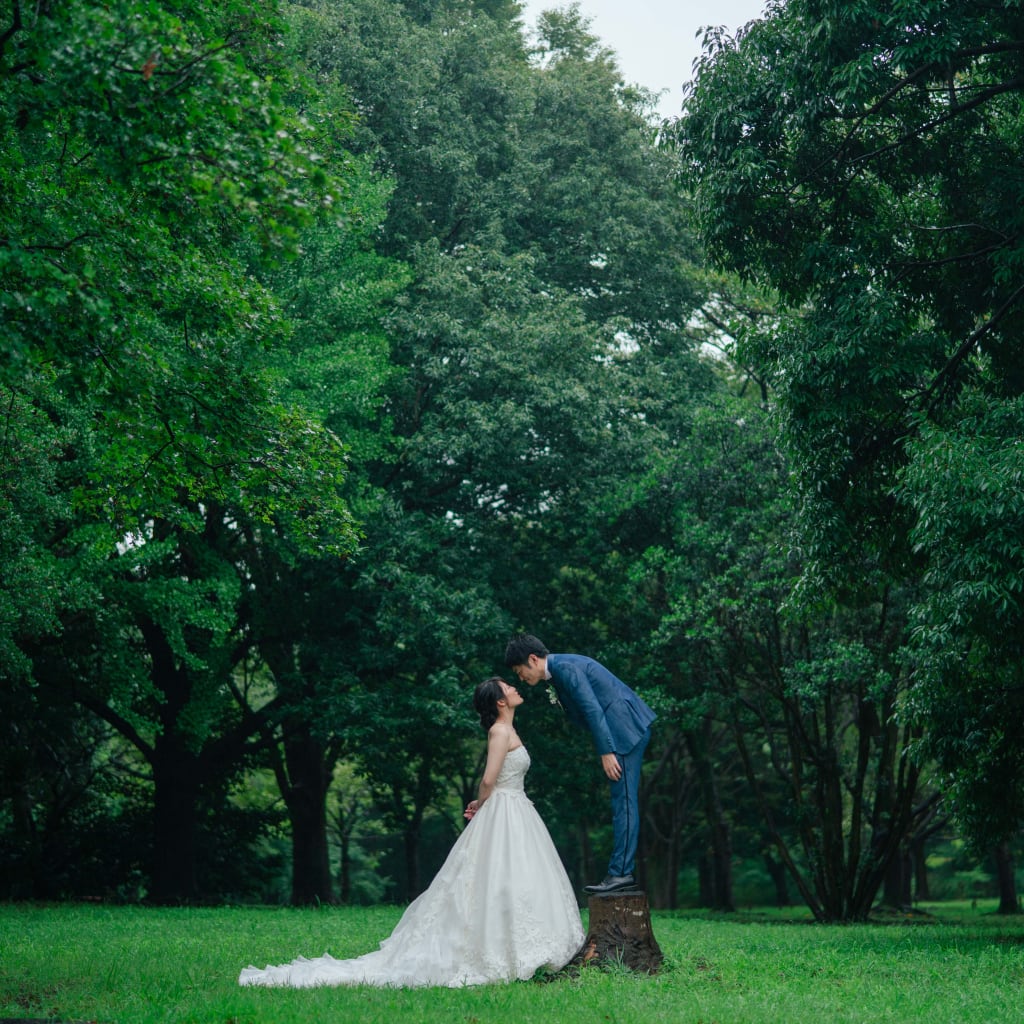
553	697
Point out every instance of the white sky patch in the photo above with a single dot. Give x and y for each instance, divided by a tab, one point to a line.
656	40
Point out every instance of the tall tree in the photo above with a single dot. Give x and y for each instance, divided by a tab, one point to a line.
335	364
796	697
862	159
141	146
530	202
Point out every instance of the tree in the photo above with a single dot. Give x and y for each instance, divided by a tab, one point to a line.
336	365
966	647
795	697
141	146
208	420
818	145
512	334
71	807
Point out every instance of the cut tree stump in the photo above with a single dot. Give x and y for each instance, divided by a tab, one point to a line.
620	933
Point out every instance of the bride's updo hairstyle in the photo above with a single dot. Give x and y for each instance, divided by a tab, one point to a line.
485	700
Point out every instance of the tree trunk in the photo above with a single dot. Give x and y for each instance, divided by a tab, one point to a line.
896	889
22	878
670	794
922	890
345	868
180	778
177	776
621	934
662	873
175	806
721	849
309	778
411	843
586	868
311	866
1007	883
719	864
705	886
777	873
343	827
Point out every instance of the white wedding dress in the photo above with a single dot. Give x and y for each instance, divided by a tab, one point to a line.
500	908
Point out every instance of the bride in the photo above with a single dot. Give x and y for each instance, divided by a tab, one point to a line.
500	907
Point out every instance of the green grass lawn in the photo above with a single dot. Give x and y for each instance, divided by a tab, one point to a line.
135	965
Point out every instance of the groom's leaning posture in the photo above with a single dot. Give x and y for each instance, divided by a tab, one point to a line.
620	724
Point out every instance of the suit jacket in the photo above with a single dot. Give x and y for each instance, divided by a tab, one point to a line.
599	701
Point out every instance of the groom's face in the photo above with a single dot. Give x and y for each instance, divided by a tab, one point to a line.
532	672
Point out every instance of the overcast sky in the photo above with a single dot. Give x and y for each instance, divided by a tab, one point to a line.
656	40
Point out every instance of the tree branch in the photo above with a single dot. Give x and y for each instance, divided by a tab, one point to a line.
111	717
943	380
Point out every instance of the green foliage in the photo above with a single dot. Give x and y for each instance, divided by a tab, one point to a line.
496	363
805	692
72	812
863	160
160	163
140	144
967	647
542	235
35	504
829	130
555	160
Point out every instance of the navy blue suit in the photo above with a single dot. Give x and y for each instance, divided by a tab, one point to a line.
619	723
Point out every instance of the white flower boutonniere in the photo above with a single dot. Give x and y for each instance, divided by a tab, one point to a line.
553	697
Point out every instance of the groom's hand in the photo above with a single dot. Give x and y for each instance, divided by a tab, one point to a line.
611	766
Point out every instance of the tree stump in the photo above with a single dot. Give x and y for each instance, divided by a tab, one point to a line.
620	933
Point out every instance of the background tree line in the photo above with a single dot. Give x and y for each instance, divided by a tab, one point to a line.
340	339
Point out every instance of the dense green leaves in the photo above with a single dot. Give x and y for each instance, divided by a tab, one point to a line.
140	146
152	164
863	160
967	639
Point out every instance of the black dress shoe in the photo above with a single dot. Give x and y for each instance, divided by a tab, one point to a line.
612	883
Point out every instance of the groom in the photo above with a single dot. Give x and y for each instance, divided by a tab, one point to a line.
620	724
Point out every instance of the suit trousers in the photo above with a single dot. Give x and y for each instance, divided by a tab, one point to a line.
625	795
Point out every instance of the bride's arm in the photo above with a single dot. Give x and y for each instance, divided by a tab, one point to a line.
499	738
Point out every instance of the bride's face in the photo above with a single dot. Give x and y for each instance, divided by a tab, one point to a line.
513	698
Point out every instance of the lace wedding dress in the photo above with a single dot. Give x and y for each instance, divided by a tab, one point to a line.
500	908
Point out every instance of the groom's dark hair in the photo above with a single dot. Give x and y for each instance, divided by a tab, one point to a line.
521	646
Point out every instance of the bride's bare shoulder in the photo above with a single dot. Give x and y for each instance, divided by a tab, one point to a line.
502	732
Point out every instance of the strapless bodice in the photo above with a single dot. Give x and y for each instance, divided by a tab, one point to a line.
513	772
